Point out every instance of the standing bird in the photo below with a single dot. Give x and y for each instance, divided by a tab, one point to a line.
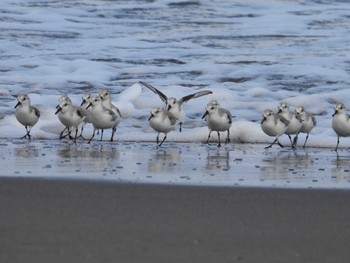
274	125
26	114
102	118
172	104
106	99
86	99
70	116
162	121
218	119
340	122
61	100
295	122
308	121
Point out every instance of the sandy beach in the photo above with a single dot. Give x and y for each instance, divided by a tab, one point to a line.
46	220
134	202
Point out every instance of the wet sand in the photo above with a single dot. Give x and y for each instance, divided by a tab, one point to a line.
46	220
247	165
134	202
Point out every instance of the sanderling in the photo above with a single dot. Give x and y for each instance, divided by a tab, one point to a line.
60	101
162	121
102	118
274	125
341	122
173	105
26	114
214	103
218	119
308	121
295	122
70	116
86	99
106	98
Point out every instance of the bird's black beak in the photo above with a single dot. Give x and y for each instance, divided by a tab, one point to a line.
279	111
82	103
264	119
205	114
151	117
88	106
335	112
58	109
169	107
18	103
57	106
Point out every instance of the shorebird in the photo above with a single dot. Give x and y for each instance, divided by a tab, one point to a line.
218	119
106	99
274	125
214	103
60	101
26	114
162	121
86	99
295	122
172	104
340	122
70	116
308	121
102	118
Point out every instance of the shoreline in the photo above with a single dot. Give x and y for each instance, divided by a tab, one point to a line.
234	165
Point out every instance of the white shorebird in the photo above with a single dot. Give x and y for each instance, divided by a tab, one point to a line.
213	103
70	116
60	101
218	119
86	99
26	114
102	118
295	122
274	125
341	122
162	121
308	121
106	98
172	104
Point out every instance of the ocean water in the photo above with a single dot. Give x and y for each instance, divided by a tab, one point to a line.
251	54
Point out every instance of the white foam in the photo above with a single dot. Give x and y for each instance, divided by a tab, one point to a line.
91	37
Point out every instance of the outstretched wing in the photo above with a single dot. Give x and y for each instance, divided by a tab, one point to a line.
156	91
194	95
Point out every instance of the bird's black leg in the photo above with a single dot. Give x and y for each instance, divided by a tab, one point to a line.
162	140
272	143
307	137
219	145
208	137
336	148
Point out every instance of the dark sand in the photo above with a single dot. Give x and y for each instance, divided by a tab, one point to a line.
49	220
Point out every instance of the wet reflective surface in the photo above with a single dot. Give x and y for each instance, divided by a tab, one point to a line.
177	163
